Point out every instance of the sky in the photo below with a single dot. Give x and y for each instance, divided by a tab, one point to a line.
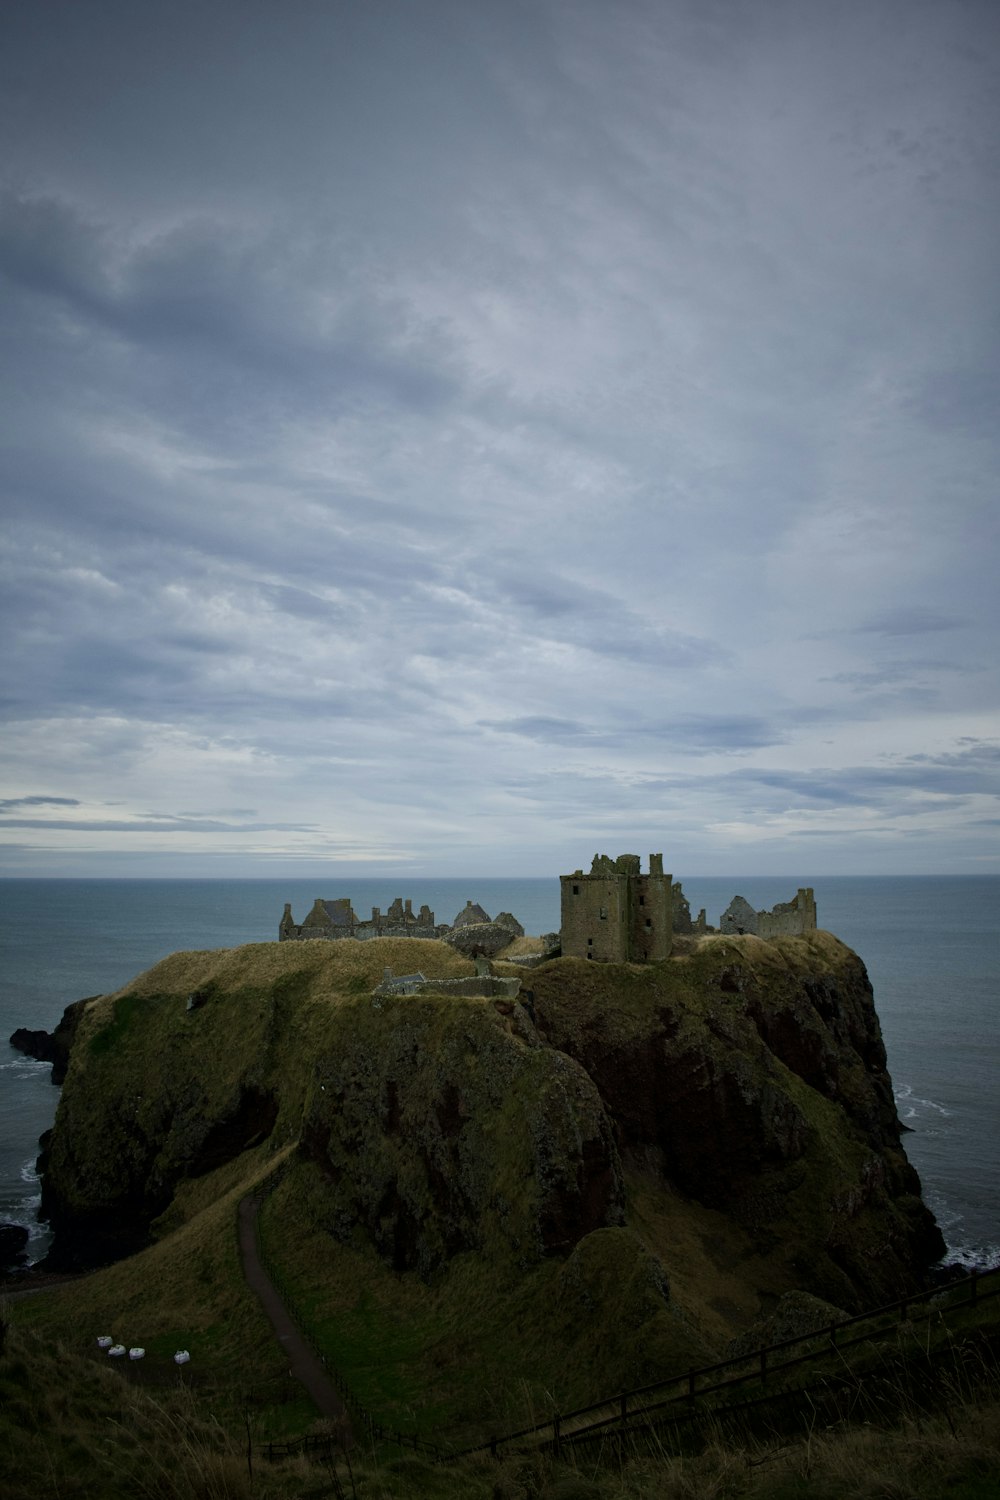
459	436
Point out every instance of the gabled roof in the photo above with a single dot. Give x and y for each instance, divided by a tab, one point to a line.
472	913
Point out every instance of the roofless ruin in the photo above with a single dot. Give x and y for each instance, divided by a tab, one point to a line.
615	914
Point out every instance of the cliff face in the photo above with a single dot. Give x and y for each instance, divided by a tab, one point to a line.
444	1126
753	1075
743	1083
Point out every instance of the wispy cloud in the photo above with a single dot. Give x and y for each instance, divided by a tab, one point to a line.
509	426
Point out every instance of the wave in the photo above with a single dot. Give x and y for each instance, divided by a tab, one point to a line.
974	1257
910	1106
965	1247
26	1065
24	1214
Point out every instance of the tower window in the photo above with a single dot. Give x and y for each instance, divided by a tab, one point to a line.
576	890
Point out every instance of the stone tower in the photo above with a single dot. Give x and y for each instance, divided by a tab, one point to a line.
616	914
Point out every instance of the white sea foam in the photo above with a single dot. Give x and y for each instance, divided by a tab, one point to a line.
25	1065
910	1106
975	1257
23	1212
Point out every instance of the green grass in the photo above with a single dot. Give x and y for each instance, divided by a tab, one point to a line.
70	1427
486	1346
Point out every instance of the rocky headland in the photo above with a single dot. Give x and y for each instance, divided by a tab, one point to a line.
691	1140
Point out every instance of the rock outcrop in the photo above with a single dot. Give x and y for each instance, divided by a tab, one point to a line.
442	1128
755	1074
13	1247
51	1046
740	1085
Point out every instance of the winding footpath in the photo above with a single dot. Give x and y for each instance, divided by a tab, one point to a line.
303	1364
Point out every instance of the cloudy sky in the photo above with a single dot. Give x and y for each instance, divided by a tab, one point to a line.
453	436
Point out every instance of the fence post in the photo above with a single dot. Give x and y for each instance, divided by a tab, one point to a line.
555	1434
691	1379
763	1367
493	1447
833	1334
623	1406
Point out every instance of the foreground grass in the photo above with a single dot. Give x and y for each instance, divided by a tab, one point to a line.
73	1427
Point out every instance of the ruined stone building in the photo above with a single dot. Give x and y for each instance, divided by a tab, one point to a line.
337	919
786	919
616	914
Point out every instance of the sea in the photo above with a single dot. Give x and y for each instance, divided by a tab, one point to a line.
931	946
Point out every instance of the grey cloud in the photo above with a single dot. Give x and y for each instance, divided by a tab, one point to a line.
164	824
597	620
703	732
960	774
897	673
915	619
538	727
47	248
7	803
402	411
958	400
195	295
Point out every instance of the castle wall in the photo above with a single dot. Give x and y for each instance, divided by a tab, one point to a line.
789	918
652	924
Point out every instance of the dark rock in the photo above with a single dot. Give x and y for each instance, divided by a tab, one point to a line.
13	1246
37	1044
180	1142
703	1074
474	938
422	1114
796	1315
52	1047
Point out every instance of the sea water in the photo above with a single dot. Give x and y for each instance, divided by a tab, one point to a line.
932	948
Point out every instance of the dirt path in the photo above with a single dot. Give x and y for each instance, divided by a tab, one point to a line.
302	1362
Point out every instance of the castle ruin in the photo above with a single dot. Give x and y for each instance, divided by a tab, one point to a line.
616	914
786	919
337	919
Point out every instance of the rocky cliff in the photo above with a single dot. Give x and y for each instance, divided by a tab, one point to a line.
723	1121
